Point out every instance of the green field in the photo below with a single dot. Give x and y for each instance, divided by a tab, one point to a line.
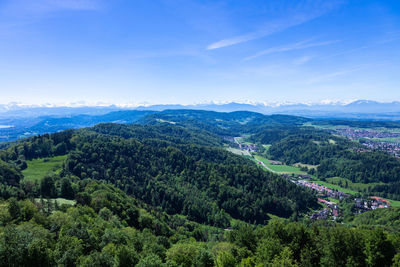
283	169
336	187
394	203
243	139
333	182
238	151
286	169
59	200
379	129
299	165
248	143
38	168
359	187
388	139
334	200
266	147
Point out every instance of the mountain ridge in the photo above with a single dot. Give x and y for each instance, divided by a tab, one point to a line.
304	109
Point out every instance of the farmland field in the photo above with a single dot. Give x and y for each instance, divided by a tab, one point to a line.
238	151
299	165
394	203
336	187
286	169
388	139
279	168
360	187
38	168
266	147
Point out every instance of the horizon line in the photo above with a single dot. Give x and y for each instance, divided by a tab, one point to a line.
82	104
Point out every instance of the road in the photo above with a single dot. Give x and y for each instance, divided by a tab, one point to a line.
245	152
265	166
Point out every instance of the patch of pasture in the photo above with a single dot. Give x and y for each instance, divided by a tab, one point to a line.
38	168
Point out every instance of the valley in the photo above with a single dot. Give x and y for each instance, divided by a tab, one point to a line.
198	133
198	183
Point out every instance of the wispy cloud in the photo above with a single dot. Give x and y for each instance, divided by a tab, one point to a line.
74	4
16	14
302	60
238	39
390	39
393	36
291	47
304	14
31	9
330	76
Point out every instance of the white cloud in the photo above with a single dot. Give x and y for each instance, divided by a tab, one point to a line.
330	76
23	9
15	14
237	40
291	47
302	60
304	13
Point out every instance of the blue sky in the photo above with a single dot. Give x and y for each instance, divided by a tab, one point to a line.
185	51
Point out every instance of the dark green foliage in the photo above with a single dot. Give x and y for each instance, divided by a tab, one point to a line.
165	131
66	189
362	167
160	195
389	190
384	218
8	174
202	182
25	245
307	145
47	187
220	123
98	234
14	209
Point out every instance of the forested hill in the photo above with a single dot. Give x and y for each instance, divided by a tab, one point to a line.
161	131
218	122
19	127
222	123
168	194
167	166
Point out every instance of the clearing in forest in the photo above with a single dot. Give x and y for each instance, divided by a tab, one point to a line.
38	168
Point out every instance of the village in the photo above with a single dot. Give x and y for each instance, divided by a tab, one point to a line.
323	190
356	134
331	209
392	148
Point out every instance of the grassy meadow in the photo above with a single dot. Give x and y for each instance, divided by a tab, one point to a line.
38	168
282	169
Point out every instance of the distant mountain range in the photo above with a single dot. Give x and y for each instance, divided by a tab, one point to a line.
22	111
22	121
358	109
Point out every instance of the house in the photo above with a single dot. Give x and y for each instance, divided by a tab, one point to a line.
379	199
305	176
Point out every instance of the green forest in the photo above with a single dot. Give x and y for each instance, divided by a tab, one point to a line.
165	192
